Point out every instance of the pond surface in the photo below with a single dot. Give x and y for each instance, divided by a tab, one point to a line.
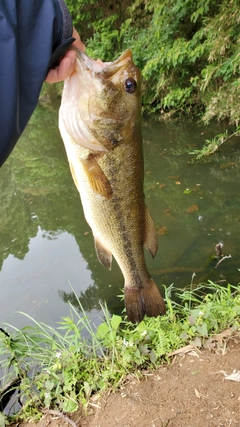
46	246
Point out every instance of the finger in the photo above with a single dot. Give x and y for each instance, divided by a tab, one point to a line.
102	64
78	42
71	54
63	70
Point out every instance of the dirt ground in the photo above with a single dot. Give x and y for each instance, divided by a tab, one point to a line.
193	391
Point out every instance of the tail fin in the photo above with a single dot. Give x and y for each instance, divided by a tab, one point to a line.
145	300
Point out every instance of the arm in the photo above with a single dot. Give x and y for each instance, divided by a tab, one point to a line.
33	36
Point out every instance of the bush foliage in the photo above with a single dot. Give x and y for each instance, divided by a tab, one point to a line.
188	50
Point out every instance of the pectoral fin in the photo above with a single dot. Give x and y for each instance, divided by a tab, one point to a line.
151	240
98	180
104	256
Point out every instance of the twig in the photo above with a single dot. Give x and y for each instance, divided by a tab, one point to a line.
226	256
183	350
59	414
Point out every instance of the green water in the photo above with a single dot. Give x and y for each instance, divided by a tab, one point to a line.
46	244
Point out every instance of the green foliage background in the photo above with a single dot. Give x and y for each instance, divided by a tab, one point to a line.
188	50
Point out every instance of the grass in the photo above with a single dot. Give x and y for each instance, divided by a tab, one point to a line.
60	369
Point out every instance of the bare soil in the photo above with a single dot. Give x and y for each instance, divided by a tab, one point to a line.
191	392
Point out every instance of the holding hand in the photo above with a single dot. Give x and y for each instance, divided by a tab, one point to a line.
67	64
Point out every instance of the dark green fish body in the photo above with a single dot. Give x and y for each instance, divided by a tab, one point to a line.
100	123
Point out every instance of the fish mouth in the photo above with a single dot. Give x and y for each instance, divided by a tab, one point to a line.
107	69
112	67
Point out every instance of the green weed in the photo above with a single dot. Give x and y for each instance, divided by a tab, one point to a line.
213	145
61	368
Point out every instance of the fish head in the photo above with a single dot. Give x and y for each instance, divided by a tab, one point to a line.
103	100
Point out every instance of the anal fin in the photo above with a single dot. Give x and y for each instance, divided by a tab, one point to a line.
151	239
104	256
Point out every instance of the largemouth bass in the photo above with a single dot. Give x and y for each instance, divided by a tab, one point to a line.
100	124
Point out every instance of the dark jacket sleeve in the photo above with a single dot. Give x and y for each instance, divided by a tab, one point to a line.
33	36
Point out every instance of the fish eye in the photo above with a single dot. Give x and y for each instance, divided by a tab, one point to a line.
130	85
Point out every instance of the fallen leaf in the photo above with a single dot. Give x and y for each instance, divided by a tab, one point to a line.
162	231
177	182
222	335
173	176
192	208
227	165
167	212
235	376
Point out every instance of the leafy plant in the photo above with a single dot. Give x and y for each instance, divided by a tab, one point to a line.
189	55
59	368
105	42
213	145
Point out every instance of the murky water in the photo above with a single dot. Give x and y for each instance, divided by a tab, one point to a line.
46	246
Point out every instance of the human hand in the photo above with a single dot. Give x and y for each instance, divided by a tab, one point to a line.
67	63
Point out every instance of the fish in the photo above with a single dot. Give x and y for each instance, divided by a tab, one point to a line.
100	124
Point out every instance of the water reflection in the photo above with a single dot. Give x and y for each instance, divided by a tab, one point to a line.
45	242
